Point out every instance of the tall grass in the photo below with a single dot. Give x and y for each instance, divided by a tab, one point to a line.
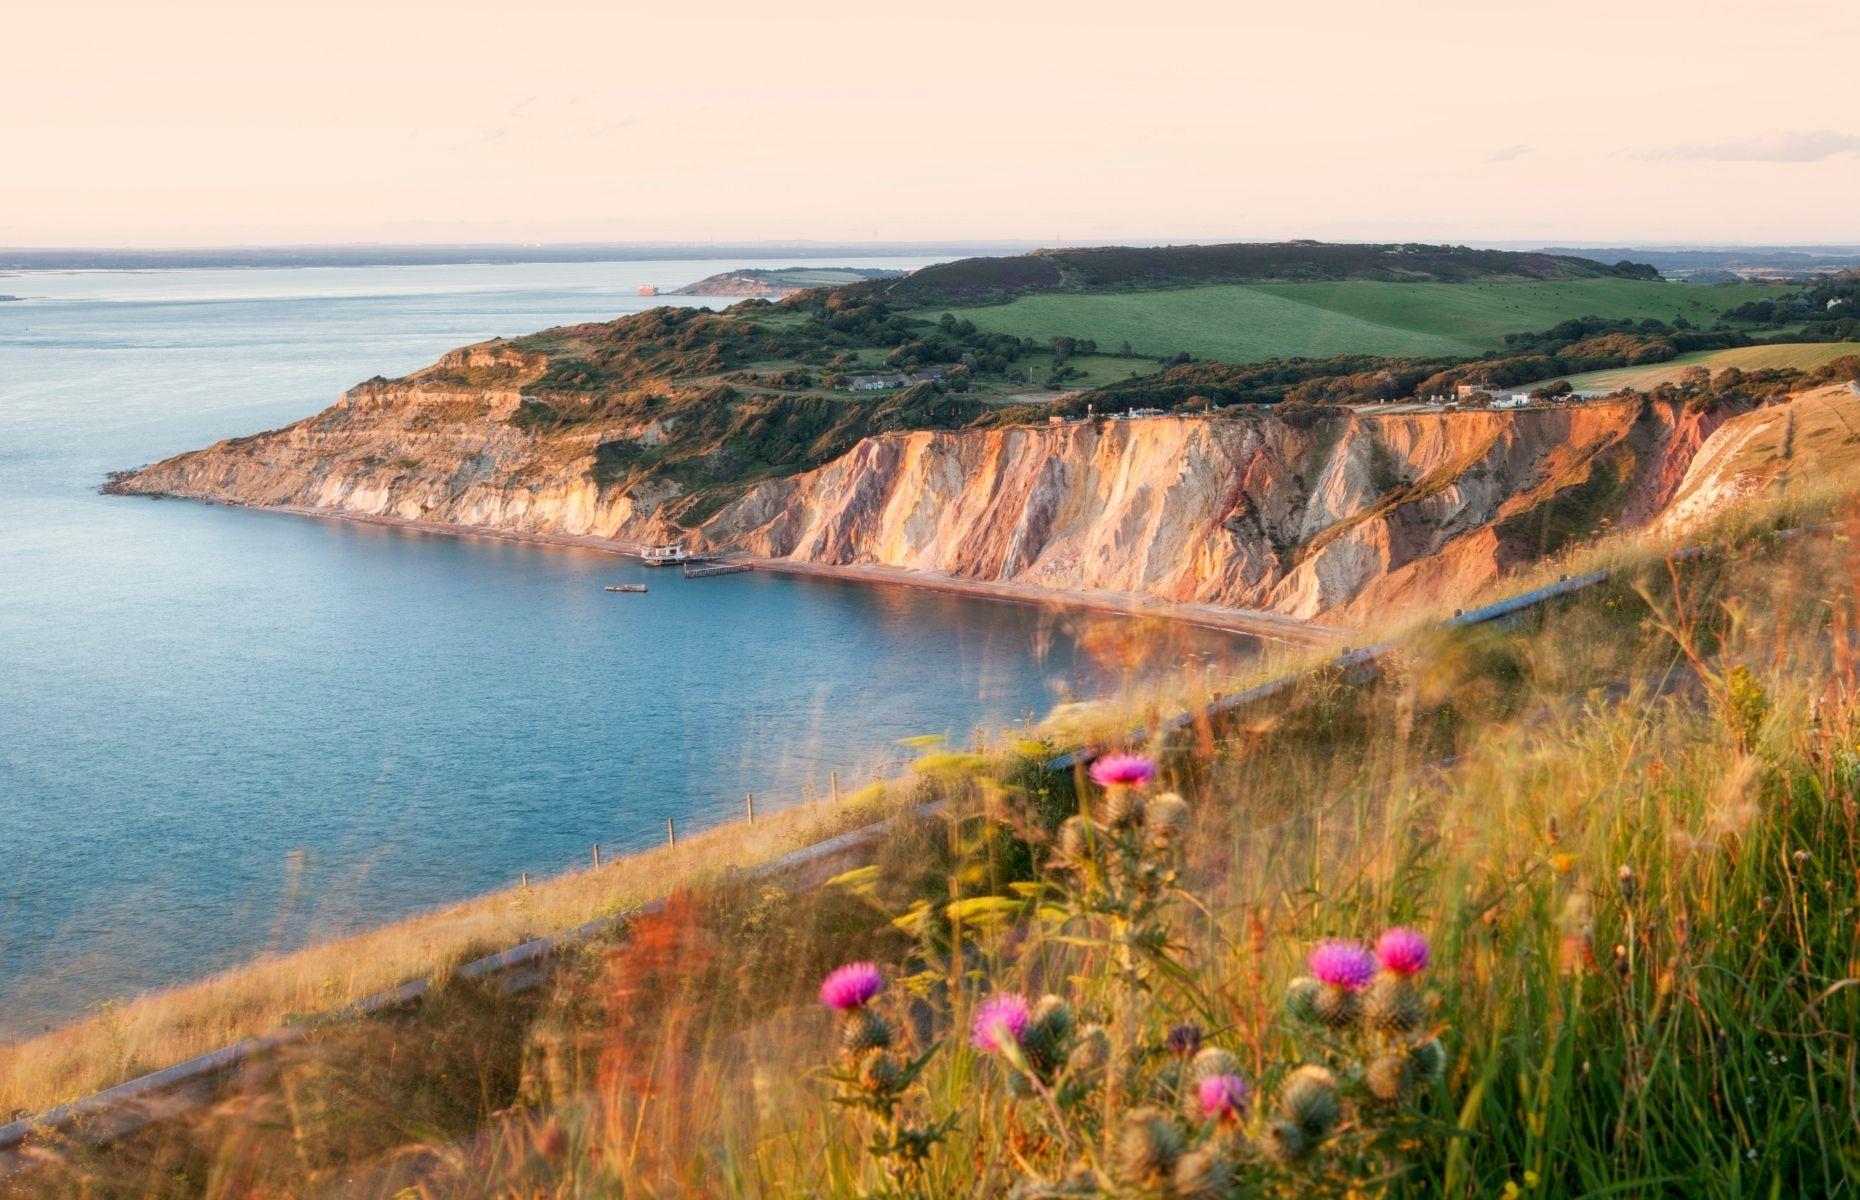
1630	824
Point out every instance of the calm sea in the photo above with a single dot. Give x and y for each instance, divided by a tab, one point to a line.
225	731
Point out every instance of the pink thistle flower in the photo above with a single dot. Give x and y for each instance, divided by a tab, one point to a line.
1222	1097
1404	951
850	986
1000	1021
1130	770
1343	965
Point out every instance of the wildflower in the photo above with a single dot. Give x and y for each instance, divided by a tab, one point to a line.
1562	864
1222	1097
1126	770
851	986
1625	881
1185	1040
1000	1022
1343	968
1403	951
1342	965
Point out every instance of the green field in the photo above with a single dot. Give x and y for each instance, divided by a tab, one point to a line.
1251	322
1800	356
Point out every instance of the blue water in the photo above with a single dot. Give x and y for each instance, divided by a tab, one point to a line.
225	731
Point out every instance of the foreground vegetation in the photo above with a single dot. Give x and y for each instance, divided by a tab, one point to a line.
1629	828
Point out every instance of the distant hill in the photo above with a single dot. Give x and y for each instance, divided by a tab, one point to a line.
1124	268
1711	264
781	281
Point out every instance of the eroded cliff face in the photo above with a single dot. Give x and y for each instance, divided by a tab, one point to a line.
427	448
1336	517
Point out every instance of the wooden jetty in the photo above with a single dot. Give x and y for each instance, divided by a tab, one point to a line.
626	587
715	568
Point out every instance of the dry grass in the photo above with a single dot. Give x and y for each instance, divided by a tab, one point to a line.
165	1027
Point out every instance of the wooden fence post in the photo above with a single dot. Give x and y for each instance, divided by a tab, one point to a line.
671	832
597	856
836	787
749	806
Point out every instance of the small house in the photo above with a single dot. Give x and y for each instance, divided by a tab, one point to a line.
875	383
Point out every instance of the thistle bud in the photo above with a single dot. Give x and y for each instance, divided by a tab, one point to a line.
1048	1030
1309	1098
880	1074
1628	885
1072	840
1148	1148
1185	1040
1301	999
1392	1005
1123	808
1283	1141
864	1030
1390	1077
1165	818
1429	1060
1212	1061
1336	1007
1200	1175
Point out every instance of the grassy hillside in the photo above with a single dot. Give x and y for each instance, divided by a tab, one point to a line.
1626	827
1254	322
1125	268
1798	356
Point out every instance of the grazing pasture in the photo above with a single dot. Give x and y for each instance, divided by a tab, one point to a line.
1252	322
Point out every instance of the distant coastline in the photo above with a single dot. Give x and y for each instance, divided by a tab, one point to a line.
458	254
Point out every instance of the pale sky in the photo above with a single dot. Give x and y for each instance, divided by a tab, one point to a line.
205	122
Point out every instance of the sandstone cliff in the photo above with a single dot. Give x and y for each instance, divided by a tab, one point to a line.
1340	517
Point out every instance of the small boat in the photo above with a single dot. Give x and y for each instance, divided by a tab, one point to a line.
626	587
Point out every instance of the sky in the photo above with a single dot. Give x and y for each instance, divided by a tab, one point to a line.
207	122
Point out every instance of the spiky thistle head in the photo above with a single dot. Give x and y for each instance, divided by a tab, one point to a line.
851	986
1123	808
1000	1022
1165	818
1200	1175
1301	999
1072	840
1403	951
1429	1059
1049	1029
1283	1141
880	1074
1310	1099
1390	1077
863	1031
1212	1060
1148	1147
1392	1005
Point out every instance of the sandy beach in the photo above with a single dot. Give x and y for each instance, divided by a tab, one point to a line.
1272	626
